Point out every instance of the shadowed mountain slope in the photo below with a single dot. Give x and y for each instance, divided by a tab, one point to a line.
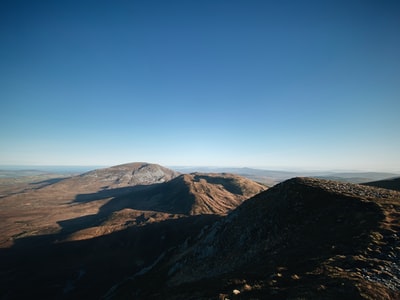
302	239
189	194
36	267
391	184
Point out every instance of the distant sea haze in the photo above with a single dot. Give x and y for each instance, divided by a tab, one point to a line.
51	169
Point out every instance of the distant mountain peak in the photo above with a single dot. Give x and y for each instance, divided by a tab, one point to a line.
131	174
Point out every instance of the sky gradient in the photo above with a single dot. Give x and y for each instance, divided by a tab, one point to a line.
268	84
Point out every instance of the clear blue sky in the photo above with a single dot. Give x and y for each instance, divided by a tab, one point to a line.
277	84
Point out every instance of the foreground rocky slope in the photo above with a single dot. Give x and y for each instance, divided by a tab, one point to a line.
302	239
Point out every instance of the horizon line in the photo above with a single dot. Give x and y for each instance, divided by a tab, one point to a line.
173	166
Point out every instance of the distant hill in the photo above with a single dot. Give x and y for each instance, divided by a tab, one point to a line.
391	184
121	176
302	239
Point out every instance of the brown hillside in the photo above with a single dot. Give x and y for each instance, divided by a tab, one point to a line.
189	194
41	208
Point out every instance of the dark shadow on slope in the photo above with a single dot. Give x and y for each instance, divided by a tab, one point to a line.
110	193
73	225
48	182
171	197
38	268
